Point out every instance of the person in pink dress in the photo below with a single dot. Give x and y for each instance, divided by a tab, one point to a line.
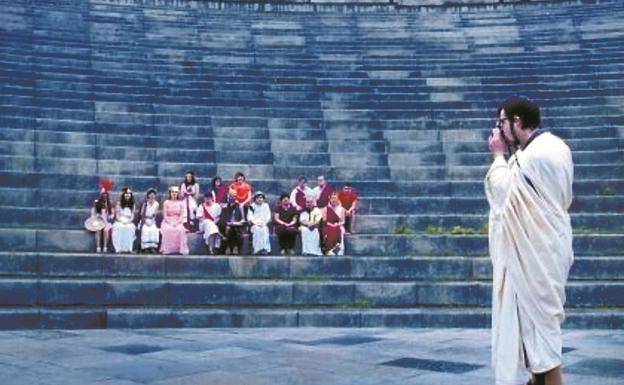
174	240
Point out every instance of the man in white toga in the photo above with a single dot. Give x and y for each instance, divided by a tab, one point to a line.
530	244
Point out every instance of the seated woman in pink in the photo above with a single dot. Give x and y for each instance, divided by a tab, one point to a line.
172	228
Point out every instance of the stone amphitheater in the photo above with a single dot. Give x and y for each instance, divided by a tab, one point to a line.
397	97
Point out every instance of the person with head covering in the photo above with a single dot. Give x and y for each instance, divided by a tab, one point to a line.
259	217
530	244
209	214
150	234
349	199
174	239
102	214
124	230
333	230
285	218
189	191
301	193
310	220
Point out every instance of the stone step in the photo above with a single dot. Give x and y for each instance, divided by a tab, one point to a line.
474	172
197	317
433	211
92	152
282	293
474	187
72	138
61	240
579	157
44	181
475	223
312	269
413	140
406	146
127	167
362	171
342	155
398	188
430	223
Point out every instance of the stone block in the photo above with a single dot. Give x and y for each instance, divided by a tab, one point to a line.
72	319
330	318
16	292
22	318
74	265
324	293
72	292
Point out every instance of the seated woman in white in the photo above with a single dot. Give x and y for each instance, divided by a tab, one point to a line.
124	229
259	216
208	215
310	219
150	234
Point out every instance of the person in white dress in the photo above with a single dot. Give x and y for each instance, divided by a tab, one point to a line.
310	220
259	216
208	215
189	192
124	230
150	234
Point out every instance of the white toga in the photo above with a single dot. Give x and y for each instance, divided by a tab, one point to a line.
531	250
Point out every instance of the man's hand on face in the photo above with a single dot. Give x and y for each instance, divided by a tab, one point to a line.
496	143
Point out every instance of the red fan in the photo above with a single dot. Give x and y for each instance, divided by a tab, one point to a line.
107	184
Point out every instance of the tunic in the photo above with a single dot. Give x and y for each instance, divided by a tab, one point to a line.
332	229
208	217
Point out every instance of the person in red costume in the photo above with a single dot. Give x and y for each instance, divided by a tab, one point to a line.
349	199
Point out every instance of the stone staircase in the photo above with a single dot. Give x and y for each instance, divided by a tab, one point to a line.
398	103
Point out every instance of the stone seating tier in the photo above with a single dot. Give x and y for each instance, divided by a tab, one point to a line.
397	101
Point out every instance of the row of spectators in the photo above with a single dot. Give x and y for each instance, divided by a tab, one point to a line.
225	215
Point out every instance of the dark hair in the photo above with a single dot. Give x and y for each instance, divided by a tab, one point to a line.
238	173
151	191
123	202
524	108
214	181
103	201
302	179
284	196
192	182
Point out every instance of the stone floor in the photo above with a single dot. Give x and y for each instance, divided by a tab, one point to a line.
283	356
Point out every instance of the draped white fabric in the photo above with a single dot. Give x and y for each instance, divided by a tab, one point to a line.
259	216
150	234
531	251
206	225
124	231
310	239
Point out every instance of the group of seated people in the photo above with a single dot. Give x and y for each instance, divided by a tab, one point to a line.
223	216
